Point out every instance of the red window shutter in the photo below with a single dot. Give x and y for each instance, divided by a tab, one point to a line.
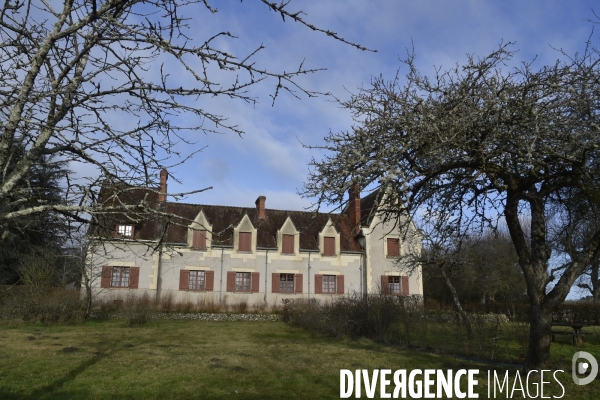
340	284
384	284
134	277
318	284
209	280
298	283
405	285
106	276
287	245
231	281
244	241
255	282
275	282
199	239
329	244
393	247
184	279
116	232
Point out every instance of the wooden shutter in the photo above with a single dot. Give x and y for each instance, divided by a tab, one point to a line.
231	281
393	247
329	244
339	285
298	283
405	285
184	279
275	282
318	284
287	244
199	239
209	280
384	284
244	241
134	277
106	276
254	282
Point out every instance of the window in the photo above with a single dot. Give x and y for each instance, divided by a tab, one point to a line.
329	284
245	241
199	240
287	244
394	284
286	283
329	246
243	281
125	231
197	280
393	247
120	277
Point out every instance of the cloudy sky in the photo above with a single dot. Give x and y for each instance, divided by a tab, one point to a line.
269	158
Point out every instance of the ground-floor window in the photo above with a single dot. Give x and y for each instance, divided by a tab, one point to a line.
120	277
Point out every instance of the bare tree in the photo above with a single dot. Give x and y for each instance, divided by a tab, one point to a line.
90	83
482	142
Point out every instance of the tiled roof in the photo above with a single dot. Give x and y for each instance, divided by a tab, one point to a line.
223	219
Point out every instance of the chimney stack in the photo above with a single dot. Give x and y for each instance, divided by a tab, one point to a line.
354	208
162	197
260	206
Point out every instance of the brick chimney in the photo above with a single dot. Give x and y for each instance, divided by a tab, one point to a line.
260	206
354	208
162	197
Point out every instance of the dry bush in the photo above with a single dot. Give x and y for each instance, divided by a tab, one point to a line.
42	304
137	310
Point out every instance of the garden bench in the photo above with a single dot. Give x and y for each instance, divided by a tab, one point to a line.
576	335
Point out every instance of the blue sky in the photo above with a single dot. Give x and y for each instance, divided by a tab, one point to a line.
269	159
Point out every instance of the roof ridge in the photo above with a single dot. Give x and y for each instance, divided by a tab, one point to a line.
271	209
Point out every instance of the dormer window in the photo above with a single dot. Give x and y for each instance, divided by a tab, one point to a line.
199	240
245	241
329	246
125	231
287	244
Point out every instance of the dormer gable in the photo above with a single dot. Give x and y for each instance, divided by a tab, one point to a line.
200	232
288	238
244	236
329	240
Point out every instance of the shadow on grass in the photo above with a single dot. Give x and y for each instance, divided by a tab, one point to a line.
47	392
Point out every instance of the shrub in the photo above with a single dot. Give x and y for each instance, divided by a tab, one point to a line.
42	304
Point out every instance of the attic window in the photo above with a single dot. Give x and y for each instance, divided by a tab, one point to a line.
245	241
329	249
199	240
125	231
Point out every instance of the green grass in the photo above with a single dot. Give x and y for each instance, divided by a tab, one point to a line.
208	360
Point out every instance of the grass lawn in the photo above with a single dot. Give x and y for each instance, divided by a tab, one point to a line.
206	360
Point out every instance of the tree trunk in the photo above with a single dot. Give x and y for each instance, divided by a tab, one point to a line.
457	305
540	335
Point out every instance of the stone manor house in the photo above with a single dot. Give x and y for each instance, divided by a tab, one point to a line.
254	254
